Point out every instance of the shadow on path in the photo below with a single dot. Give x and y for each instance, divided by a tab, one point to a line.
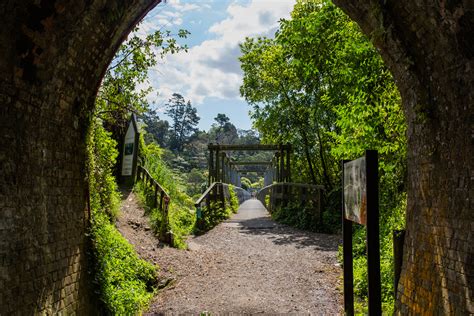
285	235
253	219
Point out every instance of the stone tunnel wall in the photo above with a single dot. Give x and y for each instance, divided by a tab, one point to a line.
52	57
429	49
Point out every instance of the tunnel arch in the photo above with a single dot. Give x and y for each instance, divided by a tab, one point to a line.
53	57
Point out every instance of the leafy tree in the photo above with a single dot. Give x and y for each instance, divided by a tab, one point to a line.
245	183
195	180
185	120
157	129
248	136
125	84
282	110
223	131
222	119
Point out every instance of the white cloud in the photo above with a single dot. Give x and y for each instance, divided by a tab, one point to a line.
187	6
170	13
212	69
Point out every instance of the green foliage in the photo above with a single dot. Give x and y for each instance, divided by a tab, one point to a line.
156	130
102	154
296	215
223	131
125	283
233	200
216	213
197	182
245	183
184	121
125	85
181	207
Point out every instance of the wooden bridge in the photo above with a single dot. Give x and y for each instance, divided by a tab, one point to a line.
278	191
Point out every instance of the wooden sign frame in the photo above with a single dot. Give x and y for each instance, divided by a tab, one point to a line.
129	153
373	242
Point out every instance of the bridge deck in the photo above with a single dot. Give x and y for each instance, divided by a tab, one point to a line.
251	214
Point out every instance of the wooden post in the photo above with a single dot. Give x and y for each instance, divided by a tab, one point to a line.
320	207
222	194
211	167
303	196
277	166
398	241
373	244
216	179
155	199
288	166
348	272
162	195
222	175
282	165
168	236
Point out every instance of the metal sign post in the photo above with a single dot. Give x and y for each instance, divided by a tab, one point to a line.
360	204
347	257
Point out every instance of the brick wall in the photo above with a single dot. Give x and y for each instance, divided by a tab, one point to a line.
52	57
428	47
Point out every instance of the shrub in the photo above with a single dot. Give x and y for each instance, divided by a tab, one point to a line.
212	216
124	282
181	207
234	200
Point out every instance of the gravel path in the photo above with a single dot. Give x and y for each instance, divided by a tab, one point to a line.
246	265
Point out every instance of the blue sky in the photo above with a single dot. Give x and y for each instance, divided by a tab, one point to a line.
209	74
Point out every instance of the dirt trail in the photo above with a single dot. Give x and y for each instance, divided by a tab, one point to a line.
248	264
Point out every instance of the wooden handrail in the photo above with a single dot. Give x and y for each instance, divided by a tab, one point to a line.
142	169
282	193
206	193
161	200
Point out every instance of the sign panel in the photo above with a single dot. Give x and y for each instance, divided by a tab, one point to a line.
360	196
128	150
355	191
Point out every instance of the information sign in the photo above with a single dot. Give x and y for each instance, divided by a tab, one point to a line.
129	153
127	158
360	204
355	191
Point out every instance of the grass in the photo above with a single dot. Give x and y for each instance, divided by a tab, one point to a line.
126	282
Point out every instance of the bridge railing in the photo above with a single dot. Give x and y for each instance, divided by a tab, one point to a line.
211	206
160	200
284	194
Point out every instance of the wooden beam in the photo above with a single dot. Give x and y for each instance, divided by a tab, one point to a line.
252	147
250	163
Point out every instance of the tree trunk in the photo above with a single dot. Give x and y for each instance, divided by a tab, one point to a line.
429	48
308	156
327	179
